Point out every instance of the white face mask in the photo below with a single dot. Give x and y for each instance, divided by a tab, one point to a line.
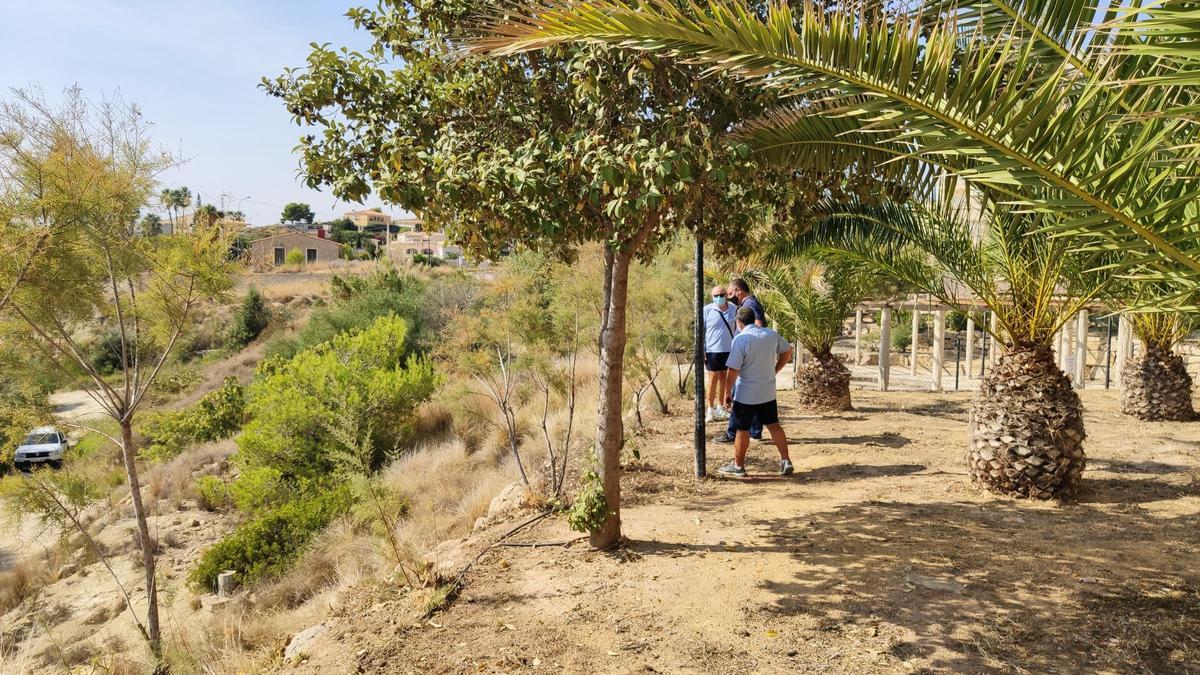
720	301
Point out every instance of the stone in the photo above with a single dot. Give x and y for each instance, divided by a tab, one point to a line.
226	583
510	499
934	583
301	642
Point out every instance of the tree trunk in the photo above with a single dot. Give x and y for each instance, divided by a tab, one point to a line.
1157	387
823	384
610	429
129	456
1026	431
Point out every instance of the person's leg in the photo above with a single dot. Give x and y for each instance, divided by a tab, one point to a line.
780	438
756	430
715	383
723	384
741	443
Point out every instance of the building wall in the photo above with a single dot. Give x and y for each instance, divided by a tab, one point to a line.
362	220
262	252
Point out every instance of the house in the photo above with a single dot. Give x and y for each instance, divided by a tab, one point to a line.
408	244
272	251
369	218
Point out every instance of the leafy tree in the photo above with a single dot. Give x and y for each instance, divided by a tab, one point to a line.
252	318
547	150
206	215
296	212
1057	106
151	225
86	171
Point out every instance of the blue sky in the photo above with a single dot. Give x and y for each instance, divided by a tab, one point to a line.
193	67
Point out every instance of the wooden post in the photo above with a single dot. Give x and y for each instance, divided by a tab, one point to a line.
1059	343
885	348
916	326
939	347
1081	348
1122	347
970	343
858	314
994	353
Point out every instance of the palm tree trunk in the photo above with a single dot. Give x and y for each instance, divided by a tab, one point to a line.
1157	387
823	384
1026	431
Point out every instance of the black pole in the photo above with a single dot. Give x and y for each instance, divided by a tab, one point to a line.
1108	355
698	358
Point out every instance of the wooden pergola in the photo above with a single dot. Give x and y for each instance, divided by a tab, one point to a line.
1071	347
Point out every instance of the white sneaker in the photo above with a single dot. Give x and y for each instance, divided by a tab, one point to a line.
710	416
722	413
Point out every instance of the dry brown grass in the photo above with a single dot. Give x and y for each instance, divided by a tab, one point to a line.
173	482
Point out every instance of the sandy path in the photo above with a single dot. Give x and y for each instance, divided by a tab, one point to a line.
878	557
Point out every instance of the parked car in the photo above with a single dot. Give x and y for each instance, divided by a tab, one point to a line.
44	445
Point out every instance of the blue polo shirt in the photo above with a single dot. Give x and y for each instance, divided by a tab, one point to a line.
755	306
753	354
719	327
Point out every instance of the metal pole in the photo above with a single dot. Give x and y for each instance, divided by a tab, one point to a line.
1108	354
698	363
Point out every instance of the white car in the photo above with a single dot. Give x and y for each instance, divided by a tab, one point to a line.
44	445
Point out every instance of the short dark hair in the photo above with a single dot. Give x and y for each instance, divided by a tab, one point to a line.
740	284
746	316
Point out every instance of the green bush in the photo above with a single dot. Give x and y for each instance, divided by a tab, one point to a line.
902	336
214	494
266	546
106	354
258	489
293	403
956	321
218	415
252	318
358	302
294	258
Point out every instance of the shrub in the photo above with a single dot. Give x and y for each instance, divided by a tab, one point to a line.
293	403
294	258
215	416
956	321
214	494
106	354
266	546
252	318
258	489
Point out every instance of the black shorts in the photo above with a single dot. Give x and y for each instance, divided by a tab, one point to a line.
714	362
744	415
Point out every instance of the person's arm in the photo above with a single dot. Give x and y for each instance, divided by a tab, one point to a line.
760	314
785	355
784	359
730	377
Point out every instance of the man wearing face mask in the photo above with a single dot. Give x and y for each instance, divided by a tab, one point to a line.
719	319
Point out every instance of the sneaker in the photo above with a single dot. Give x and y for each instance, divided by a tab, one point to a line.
711	416
721	413
786	468
731	469
723	439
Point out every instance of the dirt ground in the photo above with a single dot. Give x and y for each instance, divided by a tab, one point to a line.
878	556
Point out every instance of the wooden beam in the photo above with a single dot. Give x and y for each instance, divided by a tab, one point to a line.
916	327
994	329
970	356
858	323
939	347
1081	348
1122	347
885	351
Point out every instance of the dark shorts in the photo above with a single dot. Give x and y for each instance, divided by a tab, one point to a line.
714	362
744	415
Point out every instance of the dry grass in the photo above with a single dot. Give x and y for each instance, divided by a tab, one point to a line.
173	482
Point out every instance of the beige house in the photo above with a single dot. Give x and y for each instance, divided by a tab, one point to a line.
408	244
272	251
369	218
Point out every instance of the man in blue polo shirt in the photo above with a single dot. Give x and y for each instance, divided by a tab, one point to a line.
756	356
719	319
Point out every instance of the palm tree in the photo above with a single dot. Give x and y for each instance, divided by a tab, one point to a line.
1028	99
1026	431
1156	385
809	300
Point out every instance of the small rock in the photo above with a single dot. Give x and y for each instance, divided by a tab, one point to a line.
792	652
195	523
300	643
743	632
933	583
